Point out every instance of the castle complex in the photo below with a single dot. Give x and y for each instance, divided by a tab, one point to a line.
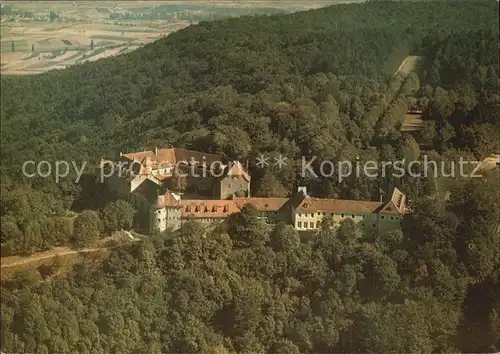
169	186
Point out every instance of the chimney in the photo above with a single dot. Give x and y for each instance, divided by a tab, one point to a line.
302	190
381	191
156	150
246	166
121	154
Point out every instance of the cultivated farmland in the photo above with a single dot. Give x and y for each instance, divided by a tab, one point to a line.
41	36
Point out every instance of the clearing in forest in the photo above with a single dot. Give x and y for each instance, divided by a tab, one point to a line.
408	65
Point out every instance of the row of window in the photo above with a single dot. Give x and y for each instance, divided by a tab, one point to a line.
323	213
392	217
214	209
310	225
174	218
342	215
307	225
168	217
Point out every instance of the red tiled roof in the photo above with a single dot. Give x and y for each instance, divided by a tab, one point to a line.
303	203
339	205
163	156
262	204
172	156
168	200
196	208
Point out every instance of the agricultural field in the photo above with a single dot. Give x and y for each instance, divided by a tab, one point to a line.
40	36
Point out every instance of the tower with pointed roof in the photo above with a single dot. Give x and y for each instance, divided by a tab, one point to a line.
234	181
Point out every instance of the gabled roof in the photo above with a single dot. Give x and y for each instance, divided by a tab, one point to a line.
389	208
262	204
236	169
144	162
296	199
168	200
398	201
162	156
147	190
142	179
303	203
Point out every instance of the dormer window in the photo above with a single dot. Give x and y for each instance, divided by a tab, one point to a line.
226	208
196	209
188	209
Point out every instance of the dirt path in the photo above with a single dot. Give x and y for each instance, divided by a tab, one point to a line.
58	251
411	123
14	261
408	65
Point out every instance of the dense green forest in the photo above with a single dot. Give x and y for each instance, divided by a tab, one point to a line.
314	83
245	289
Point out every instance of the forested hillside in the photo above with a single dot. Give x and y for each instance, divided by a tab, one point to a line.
316	83
62	114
